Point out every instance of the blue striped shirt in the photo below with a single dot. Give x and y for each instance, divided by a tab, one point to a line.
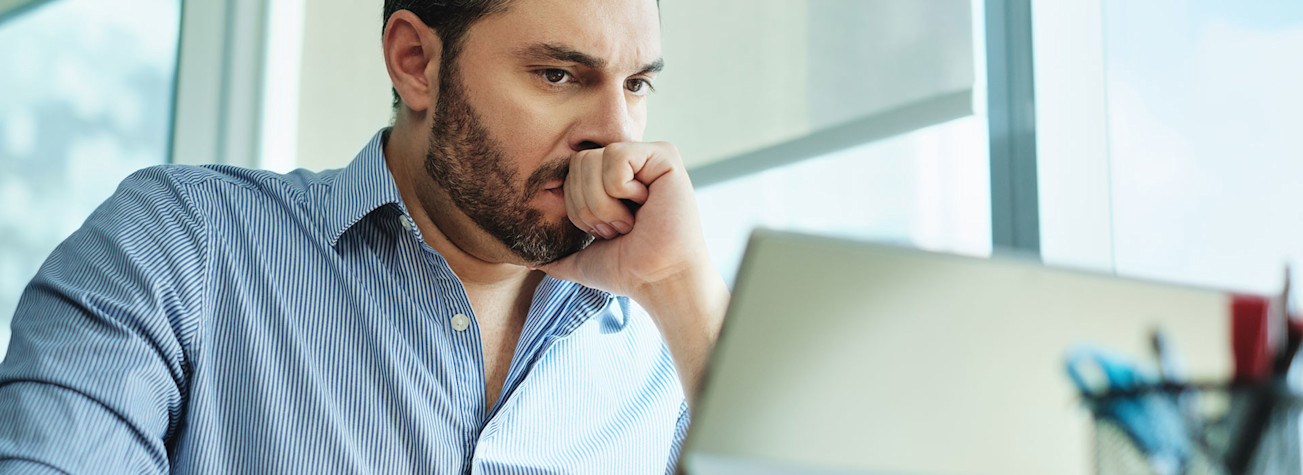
222	320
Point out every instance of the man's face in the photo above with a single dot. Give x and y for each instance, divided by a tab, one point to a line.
532	87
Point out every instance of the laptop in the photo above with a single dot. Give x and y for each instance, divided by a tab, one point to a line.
847	357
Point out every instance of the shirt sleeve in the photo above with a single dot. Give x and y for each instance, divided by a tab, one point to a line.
680	433
98	363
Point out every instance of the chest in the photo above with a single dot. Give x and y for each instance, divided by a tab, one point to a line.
376	388
365	357
500	324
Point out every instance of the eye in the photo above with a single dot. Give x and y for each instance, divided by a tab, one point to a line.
639	86
554	76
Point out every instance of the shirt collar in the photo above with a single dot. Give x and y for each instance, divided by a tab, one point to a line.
366	185
360	188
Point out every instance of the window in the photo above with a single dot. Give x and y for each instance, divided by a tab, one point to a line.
929	188
1172	126
87	100
926	184
1205	108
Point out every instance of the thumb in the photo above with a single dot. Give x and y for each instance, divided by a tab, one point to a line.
567	268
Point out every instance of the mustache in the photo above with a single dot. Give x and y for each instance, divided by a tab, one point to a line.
555	170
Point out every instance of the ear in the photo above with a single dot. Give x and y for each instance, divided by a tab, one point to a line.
412	51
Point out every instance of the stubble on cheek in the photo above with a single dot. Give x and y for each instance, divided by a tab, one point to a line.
472	168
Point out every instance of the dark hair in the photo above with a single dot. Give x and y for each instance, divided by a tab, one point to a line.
449	18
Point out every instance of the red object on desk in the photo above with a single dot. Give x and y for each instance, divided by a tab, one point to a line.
1250	344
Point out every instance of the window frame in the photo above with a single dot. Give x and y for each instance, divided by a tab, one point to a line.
217	108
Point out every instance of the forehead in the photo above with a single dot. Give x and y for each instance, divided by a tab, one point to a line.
626	33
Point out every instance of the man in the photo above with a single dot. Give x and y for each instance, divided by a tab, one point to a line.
437	306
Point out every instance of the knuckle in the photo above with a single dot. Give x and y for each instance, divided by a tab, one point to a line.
583	155
612	181
618	148
611	169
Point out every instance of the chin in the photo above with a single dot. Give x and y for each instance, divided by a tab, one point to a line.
545	248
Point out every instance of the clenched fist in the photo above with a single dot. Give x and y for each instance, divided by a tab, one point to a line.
655	254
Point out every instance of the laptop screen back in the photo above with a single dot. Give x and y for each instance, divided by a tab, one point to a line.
851	357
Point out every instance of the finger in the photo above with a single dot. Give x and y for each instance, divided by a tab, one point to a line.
574	196
584	267
570	197
619	181
609	214
564	269
581	171
662	159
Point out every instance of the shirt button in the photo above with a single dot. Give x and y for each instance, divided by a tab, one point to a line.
460	322
407	222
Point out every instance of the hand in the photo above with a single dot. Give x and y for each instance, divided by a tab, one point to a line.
656	255
660	242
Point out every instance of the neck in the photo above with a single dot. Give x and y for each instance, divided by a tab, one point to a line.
477	269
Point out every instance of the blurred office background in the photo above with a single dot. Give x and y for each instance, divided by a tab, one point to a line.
1154	139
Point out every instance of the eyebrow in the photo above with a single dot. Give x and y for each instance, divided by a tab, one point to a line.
564	53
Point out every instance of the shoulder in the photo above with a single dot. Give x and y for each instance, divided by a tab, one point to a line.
198	180
214	196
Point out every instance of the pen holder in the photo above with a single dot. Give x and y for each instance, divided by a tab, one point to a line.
1197	429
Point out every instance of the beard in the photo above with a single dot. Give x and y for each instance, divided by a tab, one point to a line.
470	166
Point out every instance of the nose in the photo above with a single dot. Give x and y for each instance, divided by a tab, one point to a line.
605	120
